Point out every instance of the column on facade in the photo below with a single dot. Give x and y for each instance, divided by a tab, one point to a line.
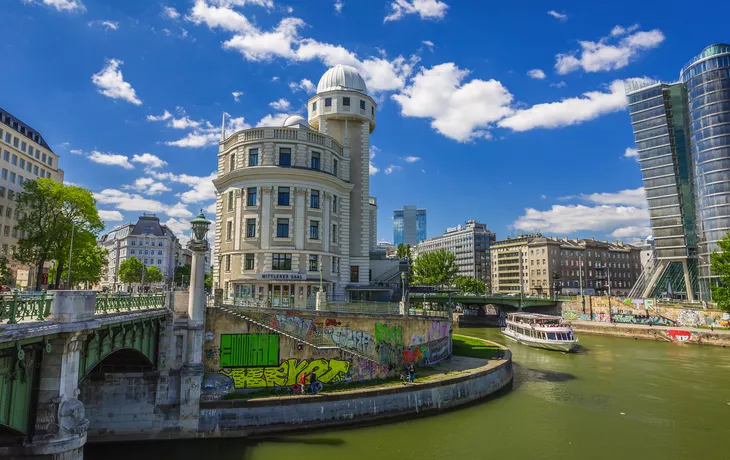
266	216
237	214
688	281
300	217
326	231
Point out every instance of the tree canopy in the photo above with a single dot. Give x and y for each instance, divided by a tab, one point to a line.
403	250
153	275
182	274
720	266
436	268
467	284
50	211
130	271
88	261
6	275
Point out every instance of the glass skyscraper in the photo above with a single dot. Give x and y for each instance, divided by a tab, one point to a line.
682	133
409	225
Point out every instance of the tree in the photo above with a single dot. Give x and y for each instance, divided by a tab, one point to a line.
403	250
467	284
50	211
6	275
182	274
153	275
436	268
720	266
88	261
209	281
131	270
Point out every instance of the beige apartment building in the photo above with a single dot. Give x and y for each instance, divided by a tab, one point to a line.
540	265
25	156
293	208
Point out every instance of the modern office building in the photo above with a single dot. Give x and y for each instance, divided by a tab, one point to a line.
409	225
293	204
540	265
25	156
150	241
470	245
682	135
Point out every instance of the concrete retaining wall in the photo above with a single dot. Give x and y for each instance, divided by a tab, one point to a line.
679	334
240	418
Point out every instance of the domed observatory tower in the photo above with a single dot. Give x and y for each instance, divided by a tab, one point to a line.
343	110
292	207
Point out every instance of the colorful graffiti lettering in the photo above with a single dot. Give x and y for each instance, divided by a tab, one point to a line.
438	350
417	339
414	354
689	318
569	315
437	330
650	319
392	335
294	325
331	322
287	373
389	355
359	341
679	335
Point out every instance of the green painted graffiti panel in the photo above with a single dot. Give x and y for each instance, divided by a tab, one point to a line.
249	350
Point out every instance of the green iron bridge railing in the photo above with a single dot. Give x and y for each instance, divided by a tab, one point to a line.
24	308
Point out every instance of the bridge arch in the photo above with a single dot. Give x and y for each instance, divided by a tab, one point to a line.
101	347
121	361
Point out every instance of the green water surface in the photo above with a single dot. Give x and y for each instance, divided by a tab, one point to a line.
616	399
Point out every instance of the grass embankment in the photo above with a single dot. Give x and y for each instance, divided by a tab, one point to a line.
474	348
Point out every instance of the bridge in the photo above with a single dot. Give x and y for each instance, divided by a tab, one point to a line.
514	302
51	343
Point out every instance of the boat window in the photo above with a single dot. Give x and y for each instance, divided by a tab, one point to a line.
551	336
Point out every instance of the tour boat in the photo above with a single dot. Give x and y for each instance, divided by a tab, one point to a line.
540	331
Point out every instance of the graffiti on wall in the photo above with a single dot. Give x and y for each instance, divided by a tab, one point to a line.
288	373
438	330
359	341
294	325
678	335
642	319
438	350
391	335
246	350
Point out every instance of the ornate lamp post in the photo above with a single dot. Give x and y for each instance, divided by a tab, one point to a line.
198	245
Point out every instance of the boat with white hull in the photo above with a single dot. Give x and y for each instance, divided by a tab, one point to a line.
540	331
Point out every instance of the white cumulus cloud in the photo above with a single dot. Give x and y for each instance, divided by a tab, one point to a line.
170	12
62	5
304	85
558	16
426	9
631	153
569	111
282	105
149	160
111	83
237	95
110	216
110	159
108	25
392	168
411	159
607	54
459	110
537	74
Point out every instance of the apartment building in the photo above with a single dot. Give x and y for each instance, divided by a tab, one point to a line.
540	265
470	245
25	156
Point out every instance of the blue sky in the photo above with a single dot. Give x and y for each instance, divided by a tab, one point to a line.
511	113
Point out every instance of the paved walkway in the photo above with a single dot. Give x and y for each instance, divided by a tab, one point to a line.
644	326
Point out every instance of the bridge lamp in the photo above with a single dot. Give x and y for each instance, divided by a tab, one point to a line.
200	227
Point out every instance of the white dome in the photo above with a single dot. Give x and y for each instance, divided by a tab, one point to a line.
295	120
341	77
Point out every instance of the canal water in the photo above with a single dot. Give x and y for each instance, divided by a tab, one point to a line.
616	399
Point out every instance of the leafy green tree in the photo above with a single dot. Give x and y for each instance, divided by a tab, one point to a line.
436	268
153	275
50	211
209	281
403	250
131	270
88	261
467	284
6	275
720	266
182	274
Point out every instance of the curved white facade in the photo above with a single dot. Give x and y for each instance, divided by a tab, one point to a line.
294	200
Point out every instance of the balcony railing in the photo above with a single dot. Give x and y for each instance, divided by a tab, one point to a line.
115	303
297	134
